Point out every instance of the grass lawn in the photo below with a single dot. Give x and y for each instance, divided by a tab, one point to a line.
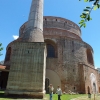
66	96
63	97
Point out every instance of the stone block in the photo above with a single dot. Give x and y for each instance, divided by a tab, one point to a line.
28	77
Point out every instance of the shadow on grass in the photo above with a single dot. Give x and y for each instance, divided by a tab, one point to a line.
46	97
2	95
5	97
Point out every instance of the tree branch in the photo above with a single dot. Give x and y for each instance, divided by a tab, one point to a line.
85	16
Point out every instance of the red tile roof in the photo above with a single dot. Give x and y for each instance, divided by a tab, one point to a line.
4	68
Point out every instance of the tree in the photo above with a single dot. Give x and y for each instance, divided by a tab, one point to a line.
85	16
1	48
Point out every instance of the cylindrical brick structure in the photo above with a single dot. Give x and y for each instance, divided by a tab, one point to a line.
34	27
69	61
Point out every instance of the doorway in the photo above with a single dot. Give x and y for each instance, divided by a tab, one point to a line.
88	89
99	89
94	87
47	82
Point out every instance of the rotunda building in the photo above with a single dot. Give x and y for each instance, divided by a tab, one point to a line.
69	61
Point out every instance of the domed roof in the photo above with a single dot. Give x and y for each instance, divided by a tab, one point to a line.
61	23
61	26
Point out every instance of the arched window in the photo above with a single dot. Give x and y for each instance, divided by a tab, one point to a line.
50	50
89	57
93	82
8	54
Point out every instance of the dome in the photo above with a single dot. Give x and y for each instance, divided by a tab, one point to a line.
56	26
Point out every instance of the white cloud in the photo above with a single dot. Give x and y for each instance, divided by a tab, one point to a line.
15	37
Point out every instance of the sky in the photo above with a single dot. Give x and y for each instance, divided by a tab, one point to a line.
13	13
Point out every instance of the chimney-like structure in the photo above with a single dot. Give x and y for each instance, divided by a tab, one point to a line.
28	58
34	27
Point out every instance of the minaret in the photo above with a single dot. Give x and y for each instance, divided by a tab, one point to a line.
34	27
28	58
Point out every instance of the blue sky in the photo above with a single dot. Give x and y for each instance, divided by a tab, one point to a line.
13	13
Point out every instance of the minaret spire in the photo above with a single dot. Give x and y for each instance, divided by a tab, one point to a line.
28	58
34	27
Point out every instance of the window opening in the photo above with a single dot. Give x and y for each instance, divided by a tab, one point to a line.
50	50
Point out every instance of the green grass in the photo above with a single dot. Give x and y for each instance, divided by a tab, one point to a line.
66	96
2	96
63	97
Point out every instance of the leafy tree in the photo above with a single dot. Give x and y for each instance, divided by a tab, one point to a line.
85	16
1	48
